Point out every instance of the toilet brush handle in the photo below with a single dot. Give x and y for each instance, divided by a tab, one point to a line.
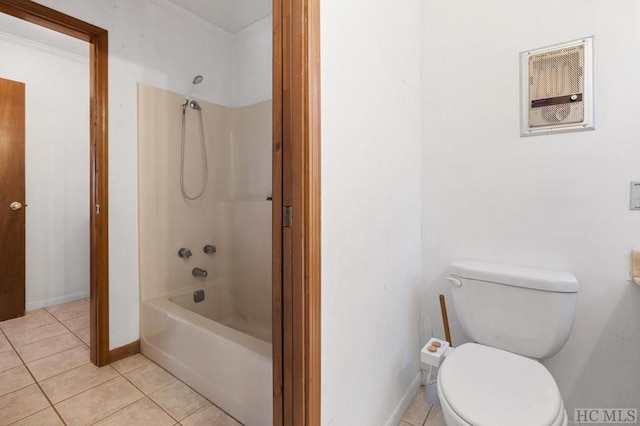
445	320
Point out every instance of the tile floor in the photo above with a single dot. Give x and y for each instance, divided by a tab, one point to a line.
46	378
421	413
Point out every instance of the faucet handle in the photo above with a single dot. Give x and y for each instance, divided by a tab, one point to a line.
199	272
209	249
184	253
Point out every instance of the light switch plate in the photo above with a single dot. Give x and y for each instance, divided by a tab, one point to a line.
634	199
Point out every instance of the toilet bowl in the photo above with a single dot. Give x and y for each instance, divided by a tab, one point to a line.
516	316
483	386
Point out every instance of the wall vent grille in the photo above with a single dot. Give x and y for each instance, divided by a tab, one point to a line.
557	88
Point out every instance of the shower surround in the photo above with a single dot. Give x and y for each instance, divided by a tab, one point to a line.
234	214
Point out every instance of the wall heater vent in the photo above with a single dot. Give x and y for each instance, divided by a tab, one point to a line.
557	88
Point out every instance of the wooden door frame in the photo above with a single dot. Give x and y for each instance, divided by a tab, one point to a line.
98	207
296	184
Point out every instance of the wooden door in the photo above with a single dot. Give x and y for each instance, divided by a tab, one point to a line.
12	198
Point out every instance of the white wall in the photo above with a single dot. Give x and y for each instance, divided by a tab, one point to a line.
252	70
57	165
558	201
152	42
371	277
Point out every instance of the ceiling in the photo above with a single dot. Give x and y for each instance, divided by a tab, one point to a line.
232	15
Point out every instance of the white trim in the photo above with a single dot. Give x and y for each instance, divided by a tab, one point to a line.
43	303
401	408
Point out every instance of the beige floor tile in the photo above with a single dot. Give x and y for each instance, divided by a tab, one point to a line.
209	415
178	399
68	305
21	338
149	378
99	402
47	347
71	310
404	424
130	363
59	363
4	343
47	417
141	413
76	323
73	382
435	418
14	379
20	404
84	335
418	410
22	324
9	359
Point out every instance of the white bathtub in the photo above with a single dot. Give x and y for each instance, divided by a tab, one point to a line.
232	368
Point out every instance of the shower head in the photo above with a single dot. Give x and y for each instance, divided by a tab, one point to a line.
196	80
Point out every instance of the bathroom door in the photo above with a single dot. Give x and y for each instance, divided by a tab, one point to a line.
12	198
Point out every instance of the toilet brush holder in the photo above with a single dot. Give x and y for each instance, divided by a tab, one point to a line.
434	351
431	393
432	354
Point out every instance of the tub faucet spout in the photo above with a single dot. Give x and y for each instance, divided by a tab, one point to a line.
197	272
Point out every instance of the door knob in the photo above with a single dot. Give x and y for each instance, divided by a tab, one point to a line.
15	205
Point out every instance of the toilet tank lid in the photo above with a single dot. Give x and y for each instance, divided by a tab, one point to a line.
517	276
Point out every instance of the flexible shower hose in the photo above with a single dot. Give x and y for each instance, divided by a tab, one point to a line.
205	168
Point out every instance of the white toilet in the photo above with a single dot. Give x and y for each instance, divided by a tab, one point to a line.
516	315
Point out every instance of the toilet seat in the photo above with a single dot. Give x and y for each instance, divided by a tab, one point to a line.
483	386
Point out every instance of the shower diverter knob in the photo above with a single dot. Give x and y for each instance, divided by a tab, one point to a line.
184	253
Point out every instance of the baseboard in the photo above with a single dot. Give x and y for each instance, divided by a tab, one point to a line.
406	400
43	303
124	351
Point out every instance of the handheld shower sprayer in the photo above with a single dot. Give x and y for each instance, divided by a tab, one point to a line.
203	148
193	104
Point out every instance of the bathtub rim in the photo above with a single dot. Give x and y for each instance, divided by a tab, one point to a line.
184	315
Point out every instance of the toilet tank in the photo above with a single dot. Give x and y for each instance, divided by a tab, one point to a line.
528	311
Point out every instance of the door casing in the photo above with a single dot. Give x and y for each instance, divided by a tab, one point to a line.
296	184
98	207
